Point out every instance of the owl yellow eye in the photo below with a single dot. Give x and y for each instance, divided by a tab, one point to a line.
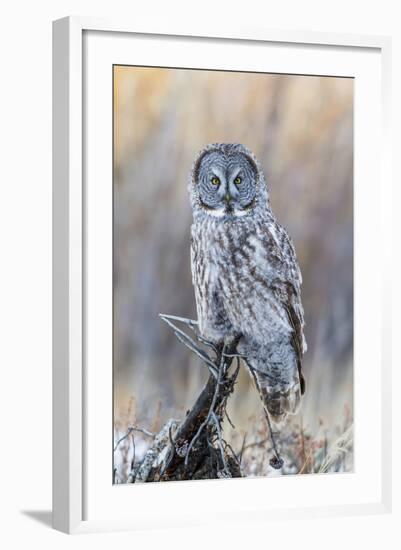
237	180
215	181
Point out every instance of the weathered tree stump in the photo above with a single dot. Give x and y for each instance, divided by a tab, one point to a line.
195	448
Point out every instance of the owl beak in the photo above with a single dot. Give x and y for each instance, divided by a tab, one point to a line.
228	199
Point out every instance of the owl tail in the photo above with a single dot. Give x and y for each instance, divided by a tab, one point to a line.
275	370
279	398
280	402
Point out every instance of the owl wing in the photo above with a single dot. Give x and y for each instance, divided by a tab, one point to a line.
286	286
275	356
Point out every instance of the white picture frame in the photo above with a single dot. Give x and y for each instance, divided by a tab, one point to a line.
75	390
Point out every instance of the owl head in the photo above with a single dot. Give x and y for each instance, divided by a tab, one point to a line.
227	182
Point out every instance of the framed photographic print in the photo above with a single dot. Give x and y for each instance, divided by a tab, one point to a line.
218	313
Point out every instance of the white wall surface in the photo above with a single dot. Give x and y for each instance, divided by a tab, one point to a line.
25	302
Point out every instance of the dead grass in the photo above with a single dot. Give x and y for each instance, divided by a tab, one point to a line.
328	449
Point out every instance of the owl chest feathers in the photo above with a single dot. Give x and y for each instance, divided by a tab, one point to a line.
234	266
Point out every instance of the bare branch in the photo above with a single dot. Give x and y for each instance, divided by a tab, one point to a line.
242	449
129	431
189	342
232	452
227	415
199	352
220	440
211	409
189	322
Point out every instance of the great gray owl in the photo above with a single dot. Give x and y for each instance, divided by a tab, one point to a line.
245	273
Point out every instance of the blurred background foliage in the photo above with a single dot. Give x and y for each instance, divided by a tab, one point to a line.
301	129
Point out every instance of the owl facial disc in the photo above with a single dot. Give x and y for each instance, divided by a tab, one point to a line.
226	182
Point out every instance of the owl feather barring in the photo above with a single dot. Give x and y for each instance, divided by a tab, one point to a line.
245	273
